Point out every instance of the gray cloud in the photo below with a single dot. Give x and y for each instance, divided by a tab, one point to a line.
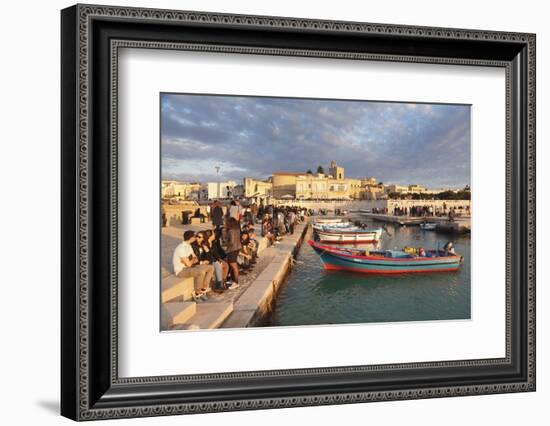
252	136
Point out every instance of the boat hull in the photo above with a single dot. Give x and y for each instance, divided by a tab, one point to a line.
340	260
354	237
328	220
341	226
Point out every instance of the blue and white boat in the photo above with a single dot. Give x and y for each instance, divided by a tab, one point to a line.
385	261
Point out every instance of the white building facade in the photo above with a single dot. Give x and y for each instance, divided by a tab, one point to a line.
221	189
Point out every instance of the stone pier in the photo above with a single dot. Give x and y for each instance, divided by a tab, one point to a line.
460	224
247	306
255	305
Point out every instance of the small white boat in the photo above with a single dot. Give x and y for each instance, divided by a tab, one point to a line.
428	226
333	226
350	236
329	220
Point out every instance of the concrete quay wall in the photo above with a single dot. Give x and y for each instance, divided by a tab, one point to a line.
255	305
458	225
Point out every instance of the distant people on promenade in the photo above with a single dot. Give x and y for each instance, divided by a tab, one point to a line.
199	215
187	264
428	210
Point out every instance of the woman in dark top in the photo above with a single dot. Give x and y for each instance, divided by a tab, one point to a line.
216	257
201	249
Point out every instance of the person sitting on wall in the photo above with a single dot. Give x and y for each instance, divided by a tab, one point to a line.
250	247
245	256
201	249
199	215
216	257
254	245
187	264
267	230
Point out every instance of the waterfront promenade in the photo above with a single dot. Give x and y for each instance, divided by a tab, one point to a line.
246	306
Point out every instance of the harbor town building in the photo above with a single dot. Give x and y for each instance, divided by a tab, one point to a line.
317	186
298	186
185	191
259	189
221	189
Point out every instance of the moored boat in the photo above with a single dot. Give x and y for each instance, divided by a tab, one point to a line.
327	220
333	226
428	226
385	261
349	235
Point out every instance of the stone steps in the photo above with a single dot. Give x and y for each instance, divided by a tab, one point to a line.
176	313
174	288
207	316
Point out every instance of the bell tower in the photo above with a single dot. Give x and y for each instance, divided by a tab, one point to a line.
335	171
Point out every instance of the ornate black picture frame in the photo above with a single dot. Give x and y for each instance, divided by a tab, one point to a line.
91	37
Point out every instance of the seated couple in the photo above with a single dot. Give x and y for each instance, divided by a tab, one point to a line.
197	260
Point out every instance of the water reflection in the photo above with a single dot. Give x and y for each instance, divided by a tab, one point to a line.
313	295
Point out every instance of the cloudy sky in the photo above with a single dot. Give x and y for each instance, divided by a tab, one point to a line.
400	143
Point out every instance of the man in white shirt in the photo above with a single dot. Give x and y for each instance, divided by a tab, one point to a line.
235	210
186	264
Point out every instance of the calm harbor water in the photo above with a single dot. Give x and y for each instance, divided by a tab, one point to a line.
313	296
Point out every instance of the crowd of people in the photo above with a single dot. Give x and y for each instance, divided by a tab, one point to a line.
379	210
216	258
427	211
422	211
